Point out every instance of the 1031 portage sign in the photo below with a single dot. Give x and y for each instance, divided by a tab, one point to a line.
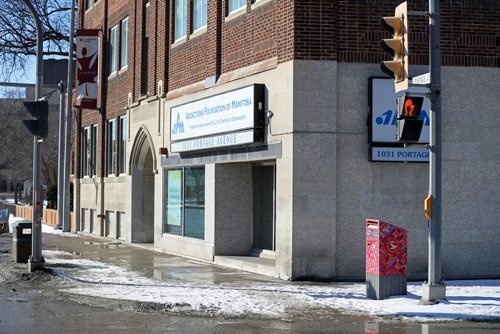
382	124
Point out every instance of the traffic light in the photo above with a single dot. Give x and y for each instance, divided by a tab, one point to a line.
408	125
39	126
397	47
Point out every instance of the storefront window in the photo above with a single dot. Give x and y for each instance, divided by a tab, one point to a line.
185	202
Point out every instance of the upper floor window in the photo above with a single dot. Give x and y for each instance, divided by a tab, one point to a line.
145	51
180	28
124	43
88	4
86	151
199	14
113	32
236	4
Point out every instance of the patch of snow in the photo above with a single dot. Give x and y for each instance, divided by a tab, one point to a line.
45	228
465	299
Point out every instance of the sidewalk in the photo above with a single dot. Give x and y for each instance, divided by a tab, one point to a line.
97	267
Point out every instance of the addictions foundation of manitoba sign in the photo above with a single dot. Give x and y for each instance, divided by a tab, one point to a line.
229	119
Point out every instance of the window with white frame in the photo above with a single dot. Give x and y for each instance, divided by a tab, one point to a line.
124	43
88	4
112	65
93	150
199	14
122	153
111	146
86	141
180	28
235	5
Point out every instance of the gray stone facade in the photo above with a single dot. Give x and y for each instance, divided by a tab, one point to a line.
325	184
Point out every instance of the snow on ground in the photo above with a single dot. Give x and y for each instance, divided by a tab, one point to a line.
45	228
465	299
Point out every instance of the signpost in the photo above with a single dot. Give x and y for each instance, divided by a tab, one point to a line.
434	288
36	261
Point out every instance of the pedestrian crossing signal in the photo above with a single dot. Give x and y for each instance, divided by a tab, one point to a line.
408	124
39	125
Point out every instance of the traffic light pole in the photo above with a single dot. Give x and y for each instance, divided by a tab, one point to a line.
69	103
60	158
434	289
36	261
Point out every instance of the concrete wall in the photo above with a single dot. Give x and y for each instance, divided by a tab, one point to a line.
325	185
279	84
90	189
394	192
471	171
314	169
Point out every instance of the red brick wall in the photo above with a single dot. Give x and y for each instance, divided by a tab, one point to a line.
343	30
469	31
315	29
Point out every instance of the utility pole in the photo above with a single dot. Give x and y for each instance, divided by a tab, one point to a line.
69	97
36	261
60	158
434	289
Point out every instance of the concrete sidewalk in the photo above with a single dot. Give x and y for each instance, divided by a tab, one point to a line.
142	259
88	268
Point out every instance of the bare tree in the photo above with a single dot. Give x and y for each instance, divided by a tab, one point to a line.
16	150
18	32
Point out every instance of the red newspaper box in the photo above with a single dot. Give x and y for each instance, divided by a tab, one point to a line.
386	259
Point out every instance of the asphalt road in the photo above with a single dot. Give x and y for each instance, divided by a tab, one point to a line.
33	303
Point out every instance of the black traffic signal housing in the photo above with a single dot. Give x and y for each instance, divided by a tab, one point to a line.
397	47
39	125
409	126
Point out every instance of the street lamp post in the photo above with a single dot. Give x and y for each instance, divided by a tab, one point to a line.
36	261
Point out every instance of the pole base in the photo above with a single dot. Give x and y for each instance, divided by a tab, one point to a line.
433	293
34	265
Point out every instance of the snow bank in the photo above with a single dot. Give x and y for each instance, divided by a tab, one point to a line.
478	300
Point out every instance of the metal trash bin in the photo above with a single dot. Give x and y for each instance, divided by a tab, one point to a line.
4	220
21	241
386	259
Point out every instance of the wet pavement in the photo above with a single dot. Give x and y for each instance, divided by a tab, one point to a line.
150	264
41	308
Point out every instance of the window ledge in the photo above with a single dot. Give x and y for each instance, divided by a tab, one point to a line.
152	98
113	75
179	41
198	32
123	69
236	13
260	3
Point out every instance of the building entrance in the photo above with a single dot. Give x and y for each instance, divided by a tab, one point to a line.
264	226
143	199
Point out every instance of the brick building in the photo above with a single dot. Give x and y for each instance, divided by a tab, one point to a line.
236	132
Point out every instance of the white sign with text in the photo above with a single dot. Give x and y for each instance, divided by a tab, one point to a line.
228	112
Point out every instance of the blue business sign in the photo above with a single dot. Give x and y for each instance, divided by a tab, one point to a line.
382	124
